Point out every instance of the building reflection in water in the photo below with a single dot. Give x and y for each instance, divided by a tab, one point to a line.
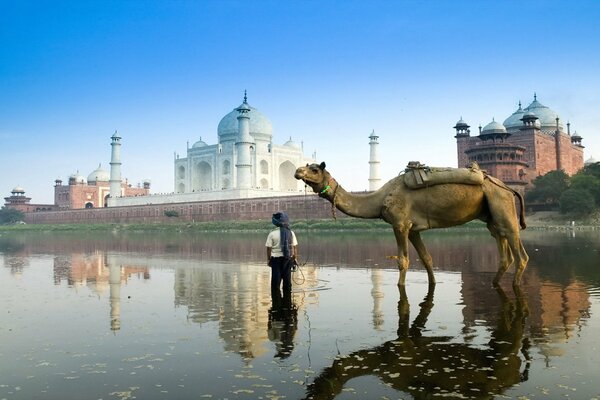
99	272
238	298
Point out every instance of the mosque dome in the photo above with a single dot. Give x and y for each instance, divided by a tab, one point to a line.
461	124
493	128
514	121
76	178
291	143
18	190
547	117
259	123
198	144
98	175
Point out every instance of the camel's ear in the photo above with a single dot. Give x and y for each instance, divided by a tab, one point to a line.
322	166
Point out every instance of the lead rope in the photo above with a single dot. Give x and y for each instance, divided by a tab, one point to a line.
298	275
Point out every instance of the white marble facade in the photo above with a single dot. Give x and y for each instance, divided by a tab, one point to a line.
245	159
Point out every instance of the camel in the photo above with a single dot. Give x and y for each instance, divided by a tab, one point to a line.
411	211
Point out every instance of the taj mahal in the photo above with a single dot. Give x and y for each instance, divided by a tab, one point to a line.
244	163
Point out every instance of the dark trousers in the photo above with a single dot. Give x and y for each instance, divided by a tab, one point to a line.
281	271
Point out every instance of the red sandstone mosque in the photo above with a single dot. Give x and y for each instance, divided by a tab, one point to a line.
531	142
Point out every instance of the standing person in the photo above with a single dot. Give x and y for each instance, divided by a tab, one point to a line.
282	253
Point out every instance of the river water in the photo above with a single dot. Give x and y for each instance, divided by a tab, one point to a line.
190	316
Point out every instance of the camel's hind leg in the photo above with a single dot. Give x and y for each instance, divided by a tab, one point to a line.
417	242
504	226
521	257
401	234
506	257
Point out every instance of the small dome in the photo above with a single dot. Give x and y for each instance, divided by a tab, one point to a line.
590	161
493	128
199	143
76	178
18	189
98	175
291	143
461	122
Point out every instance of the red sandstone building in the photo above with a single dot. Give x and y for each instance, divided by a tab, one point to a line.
93	192
531	142
79	193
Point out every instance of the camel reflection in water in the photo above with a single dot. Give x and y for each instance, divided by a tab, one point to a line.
424	365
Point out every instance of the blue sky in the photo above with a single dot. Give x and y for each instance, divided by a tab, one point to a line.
325	73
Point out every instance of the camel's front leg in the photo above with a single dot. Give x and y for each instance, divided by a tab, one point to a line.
401	234
417	242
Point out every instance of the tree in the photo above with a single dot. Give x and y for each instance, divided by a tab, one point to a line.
10	216
578	202
548	188
590	183
592	169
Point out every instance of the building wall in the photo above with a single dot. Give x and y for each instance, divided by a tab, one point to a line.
79	195
298	207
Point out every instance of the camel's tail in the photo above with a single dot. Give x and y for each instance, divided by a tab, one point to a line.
501	184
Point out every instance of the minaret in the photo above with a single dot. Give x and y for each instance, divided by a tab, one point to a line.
374	163
242	146
114	280
115	166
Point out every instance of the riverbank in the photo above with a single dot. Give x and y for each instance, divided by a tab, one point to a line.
555	221
536	221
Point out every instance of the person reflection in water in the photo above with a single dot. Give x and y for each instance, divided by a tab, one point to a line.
282	253
283	323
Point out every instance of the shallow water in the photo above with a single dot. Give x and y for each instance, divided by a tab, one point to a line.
97	316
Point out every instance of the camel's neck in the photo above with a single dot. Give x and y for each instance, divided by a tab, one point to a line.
356	205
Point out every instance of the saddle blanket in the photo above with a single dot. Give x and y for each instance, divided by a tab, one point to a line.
417	175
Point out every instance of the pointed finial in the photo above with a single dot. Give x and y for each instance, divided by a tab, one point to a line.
245	96
519	104
534	96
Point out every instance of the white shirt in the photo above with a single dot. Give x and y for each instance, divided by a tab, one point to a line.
274	242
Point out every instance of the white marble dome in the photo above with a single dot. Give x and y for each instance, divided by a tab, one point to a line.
546	116
77	178
199	143
493	127
18	189
259	123
514	121
291	143
98	175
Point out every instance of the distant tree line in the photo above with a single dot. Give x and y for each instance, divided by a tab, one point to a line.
10	216
578	195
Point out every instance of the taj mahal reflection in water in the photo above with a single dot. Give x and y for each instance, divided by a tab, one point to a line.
346	319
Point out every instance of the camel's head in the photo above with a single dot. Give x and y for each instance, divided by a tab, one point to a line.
315	176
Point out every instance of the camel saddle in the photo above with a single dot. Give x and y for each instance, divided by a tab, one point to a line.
418	176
